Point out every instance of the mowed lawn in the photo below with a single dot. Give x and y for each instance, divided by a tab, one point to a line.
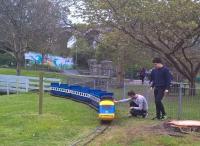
32	73
65	121
62	121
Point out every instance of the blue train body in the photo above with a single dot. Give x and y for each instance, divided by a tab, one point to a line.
101	100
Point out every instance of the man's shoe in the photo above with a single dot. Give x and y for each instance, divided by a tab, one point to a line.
145	115
164	117
129	115
155	118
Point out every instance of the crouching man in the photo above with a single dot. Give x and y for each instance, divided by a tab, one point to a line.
138	104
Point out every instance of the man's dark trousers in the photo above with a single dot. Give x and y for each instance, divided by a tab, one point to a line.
135	112
159	94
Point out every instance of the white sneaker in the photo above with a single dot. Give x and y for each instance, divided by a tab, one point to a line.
145	116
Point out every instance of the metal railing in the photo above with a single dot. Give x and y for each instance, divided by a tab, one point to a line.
182	102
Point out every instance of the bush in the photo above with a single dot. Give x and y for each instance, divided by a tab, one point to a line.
7	60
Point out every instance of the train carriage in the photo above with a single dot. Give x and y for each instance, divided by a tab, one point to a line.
100	100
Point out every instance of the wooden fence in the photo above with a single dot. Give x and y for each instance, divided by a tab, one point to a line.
15	84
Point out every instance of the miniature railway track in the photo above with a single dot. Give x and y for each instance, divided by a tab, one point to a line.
87	139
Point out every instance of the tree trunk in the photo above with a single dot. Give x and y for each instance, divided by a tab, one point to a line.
120	74
19	60
18	70
43	59
120	80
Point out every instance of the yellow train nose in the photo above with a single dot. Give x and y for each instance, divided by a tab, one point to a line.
107	117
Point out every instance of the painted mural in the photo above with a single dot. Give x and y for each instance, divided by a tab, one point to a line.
51	60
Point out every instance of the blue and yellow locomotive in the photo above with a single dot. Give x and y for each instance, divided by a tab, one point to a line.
106	110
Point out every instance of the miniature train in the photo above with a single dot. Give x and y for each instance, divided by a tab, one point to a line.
100	100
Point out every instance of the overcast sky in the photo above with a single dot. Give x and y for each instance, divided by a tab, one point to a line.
74	11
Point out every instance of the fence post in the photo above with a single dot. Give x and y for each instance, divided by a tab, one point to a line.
124	91
180	101
27	84
94	83
7	87
107	85
17	85
41	93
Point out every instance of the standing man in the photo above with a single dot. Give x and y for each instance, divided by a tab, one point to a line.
138	104
161	80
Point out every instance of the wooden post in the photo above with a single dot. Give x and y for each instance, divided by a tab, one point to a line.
7	87
180	100
27	84
41	93
17	85
94	83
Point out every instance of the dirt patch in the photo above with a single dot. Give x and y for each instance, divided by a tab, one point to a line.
162	128
165	128
130	132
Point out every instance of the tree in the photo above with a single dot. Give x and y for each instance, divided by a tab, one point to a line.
84	47
123	51
13	39
169	27
45	27
81	52
55	29
28	25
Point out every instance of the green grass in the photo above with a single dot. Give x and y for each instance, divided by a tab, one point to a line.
64	121
64	78
61	122
32	73
9	71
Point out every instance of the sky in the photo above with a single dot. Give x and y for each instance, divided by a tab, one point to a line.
75	20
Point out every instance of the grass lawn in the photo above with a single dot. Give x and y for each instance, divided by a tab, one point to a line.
64	78
32	73
62	121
